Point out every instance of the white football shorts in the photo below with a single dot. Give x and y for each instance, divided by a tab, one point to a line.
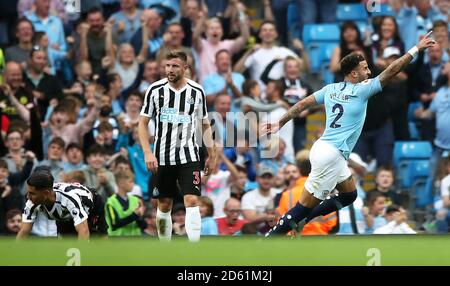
328	168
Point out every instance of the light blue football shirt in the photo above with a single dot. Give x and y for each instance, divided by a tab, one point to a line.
345	108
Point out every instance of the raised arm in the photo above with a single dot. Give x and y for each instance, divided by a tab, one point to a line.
239	43
199	28
84	51
294	111
25	230
394	68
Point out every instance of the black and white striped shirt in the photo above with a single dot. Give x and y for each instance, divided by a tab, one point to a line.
177	114
73	201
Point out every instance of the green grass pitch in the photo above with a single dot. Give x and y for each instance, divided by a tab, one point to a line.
233	251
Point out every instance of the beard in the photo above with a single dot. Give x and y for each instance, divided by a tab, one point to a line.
173	78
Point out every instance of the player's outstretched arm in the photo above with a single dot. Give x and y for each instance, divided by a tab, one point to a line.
24	231
395	67
83	230
294	111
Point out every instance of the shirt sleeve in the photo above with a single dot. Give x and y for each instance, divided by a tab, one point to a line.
369	87
247	202
76	210
320	95
202	111
148	107
30	212
445	186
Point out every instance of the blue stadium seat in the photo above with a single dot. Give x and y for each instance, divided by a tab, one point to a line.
291	21
422	193
406	150
413	131
416	170
384	10
351	12
313	33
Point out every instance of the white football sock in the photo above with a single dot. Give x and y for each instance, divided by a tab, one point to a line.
164	225
193	223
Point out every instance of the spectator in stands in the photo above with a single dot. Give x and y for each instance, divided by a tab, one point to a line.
45	87
74	156
150	223
396	222
443	206
224	80
415	19
384	180
295	88
257	203
251	99
259	57
242	155
178	219
439	109
280	160
231	224
83	72
21	51
351	219
388	36
292	194
291	174
350	41
10	184
13	222
105	138
190	11
55	154
14	95
54	57
72	132
123	212
209	225
93	42
151	74
374	212
217	186
441	34
173	41
208	48
444	8
51	25
154	29
126	21
97	176
16	158
127	65
274	93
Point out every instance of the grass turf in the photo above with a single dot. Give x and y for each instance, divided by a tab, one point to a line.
232	251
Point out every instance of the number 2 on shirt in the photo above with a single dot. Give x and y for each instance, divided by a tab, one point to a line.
338	116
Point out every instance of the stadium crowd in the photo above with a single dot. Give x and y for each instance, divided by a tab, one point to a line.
72	85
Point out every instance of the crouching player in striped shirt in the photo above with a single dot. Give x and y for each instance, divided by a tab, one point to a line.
76	209
178	106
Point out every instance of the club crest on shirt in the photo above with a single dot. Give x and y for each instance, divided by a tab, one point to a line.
74	212
191	100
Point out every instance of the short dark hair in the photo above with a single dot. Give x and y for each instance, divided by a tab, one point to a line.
350	62
95	150
241	169
177	55
93	10
12	213
305	168
248	85
58	141
222	51
104	126
439	23
392	209
12	130
135	93
24	20
41	179
384	168
3	164
74	145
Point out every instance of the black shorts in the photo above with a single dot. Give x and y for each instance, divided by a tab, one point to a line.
168	180
96	220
